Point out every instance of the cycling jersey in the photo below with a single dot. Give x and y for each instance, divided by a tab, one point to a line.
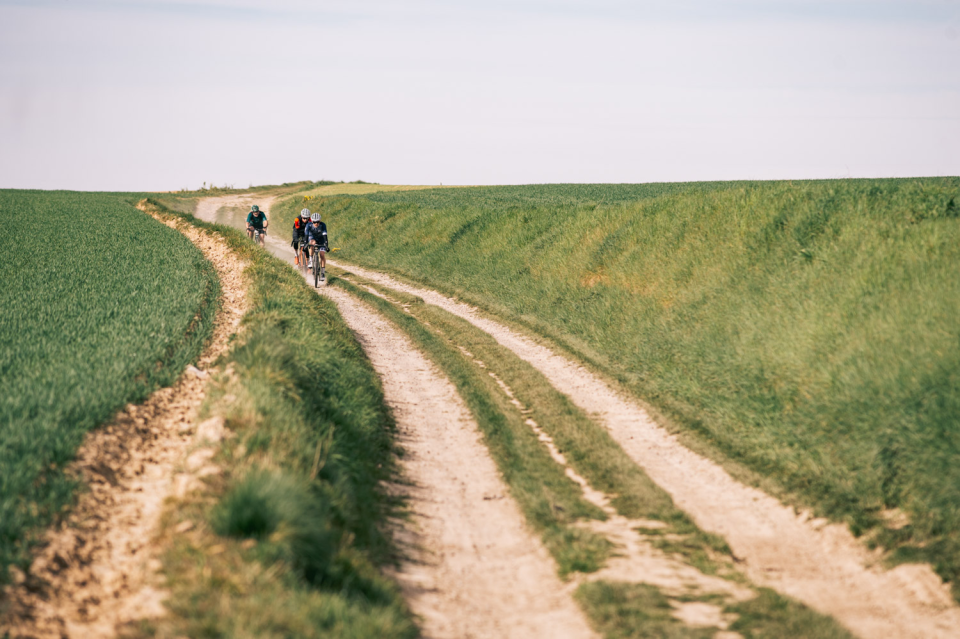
317	232
257	219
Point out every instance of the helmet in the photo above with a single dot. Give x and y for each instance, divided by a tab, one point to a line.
315	217
305	213
255	208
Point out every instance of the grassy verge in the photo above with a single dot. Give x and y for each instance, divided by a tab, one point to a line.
587	447
288	541
639	611
549	499
553	503
100	306
806	329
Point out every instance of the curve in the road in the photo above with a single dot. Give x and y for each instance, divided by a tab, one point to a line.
472	567
823	566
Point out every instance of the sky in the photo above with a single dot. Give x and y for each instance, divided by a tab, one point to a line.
169	94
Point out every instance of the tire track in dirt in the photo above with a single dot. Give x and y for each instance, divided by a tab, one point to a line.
817	563
472	568
636	559
96	570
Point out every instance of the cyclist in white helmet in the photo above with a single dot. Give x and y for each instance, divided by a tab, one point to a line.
316	233
299	232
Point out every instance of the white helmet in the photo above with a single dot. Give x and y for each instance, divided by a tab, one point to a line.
305	213
315	217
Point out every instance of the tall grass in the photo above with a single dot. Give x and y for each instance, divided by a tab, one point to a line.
808	329
100	304
300	513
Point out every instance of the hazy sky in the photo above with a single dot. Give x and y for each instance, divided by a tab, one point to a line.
165	94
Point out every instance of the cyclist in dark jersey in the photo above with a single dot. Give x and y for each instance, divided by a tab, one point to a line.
316	233
257	219
299	232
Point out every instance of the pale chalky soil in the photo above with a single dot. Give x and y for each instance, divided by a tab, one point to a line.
473	568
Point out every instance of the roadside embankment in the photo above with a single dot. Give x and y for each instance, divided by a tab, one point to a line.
97	570
807	330
99	307
285	538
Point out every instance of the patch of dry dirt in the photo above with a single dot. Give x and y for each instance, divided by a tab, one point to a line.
820	564
96	570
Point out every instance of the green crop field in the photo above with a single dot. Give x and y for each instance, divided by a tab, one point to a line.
100	304
303	478
810	330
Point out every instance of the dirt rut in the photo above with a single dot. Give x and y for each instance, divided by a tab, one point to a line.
97	570
474	570
820	564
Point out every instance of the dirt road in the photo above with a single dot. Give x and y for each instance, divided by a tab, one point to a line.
473	567
820	564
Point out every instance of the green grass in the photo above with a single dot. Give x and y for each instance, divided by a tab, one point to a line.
588	447
457	346
296	519
100	304
634	611
549	499
810	330
640	611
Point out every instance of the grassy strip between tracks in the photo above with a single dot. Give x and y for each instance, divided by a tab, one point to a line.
807	329
100	305
551	501
534	479
287	542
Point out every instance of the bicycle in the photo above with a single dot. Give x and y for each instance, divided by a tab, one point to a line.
258	235
315	262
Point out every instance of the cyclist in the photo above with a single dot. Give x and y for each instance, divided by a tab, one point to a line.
299	232
316	233
257	219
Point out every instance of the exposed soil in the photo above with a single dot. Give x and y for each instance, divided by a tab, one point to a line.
820	564
473	569
636	560
97	569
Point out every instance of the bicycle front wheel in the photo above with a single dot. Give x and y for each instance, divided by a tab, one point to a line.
316	270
